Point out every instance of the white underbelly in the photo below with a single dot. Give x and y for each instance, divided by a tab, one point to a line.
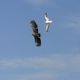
48	21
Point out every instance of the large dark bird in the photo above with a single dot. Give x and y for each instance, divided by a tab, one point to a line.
35	33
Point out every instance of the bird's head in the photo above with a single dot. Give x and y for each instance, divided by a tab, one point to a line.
32	22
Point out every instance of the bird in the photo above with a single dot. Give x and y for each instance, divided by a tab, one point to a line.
48	22
35	33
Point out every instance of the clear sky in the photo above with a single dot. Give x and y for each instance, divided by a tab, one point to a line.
58	58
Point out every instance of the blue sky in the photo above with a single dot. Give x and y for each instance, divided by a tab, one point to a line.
58	58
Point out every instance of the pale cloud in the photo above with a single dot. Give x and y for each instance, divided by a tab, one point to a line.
58	62
73	22
37	2
35	76
30	76
46	68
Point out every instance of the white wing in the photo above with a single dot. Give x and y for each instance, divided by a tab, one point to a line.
47	27
46	17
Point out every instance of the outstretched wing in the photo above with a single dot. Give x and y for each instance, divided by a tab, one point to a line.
35	33
46	17
47	27
37	39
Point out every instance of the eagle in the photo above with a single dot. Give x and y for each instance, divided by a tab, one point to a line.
35	33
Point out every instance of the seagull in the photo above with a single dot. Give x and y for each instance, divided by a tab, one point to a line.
48	22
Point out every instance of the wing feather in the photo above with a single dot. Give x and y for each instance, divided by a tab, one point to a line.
35	33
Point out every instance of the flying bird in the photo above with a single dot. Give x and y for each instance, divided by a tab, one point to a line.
35	33
48	22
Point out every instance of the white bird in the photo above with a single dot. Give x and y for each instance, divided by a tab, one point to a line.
47	22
